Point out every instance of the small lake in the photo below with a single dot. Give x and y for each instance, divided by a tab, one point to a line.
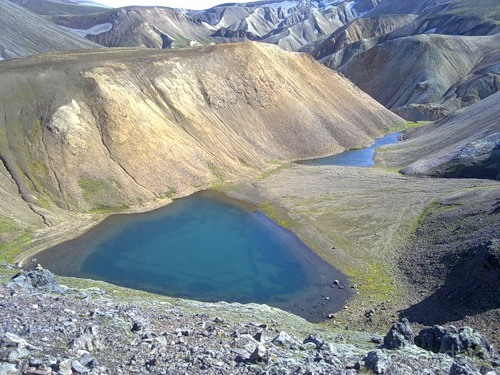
206	247
355	158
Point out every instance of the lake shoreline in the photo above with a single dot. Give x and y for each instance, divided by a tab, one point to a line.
328	289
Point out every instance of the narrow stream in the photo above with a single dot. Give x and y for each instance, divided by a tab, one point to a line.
356	158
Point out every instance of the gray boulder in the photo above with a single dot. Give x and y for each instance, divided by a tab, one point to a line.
258	354
377	362
462	369
400	335
316	340
285	340
36	279
8	369
453	341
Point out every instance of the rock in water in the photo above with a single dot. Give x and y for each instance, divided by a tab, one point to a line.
401	334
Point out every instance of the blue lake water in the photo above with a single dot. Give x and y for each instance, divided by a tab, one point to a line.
208	248
355	158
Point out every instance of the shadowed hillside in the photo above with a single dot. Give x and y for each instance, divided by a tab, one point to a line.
24	33
457	64
465	144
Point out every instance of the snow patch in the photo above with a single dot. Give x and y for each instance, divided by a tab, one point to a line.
350	7
1	58
284	4
431	31
94	30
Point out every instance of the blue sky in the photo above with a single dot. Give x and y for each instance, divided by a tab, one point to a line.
188	4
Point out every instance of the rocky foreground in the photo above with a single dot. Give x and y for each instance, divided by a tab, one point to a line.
47	328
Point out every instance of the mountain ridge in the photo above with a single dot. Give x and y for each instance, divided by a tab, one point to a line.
78	152
24	33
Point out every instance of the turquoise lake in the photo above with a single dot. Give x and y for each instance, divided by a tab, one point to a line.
356	158
205	247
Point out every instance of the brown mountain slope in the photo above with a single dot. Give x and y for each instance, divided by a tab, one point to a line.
25	33
389	72
465	144
108	129
419	58
359	29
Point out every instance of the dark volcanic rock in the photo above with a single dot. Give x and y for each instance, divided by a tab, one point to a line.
89	332
453	341
462	369
401	334
37	279
377	362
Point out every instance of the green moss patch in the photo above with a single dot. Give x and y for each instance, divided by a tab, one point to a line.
219	182
10	250
272	212
102	195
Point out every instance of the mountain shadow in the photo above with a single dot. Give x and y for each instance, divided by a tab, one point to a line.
471	287
453	260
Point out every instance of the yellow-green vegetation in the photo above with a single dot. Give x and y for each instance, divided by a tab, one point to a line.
37	130
408	125
375	280
272	212
6	225
10	250
277	166
102	194
93	186
104	210
171	192
219	182
436	208
13	239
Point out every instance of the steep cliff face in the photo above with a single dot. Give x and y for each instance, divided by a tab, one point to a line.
98	130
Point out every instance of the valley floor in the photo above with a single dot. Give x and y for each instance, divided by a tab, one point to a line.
361	220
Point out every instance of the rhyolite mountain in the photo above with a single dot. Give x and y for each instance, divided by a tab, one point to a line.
289	24
456	42
109	129
57	7
25	33
368	41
